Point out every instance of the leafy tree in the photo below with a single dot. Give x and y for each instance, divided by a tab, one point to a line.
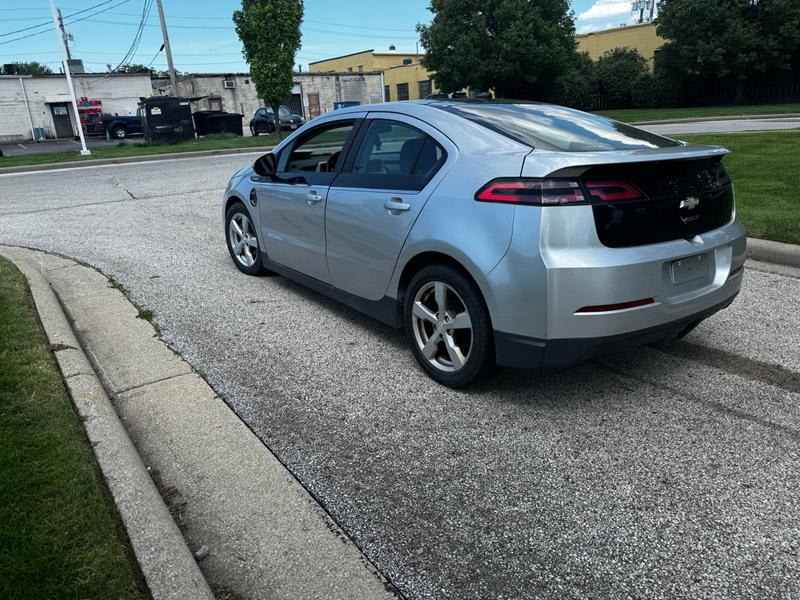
270	34
30	68
575	87
134	68
619	73
518	48
720	38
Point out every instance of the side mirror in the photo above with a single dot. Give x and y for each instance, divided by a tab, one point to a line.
266	165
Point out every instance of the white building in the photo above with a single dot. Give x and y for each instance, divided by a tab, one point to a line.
313	93
30	102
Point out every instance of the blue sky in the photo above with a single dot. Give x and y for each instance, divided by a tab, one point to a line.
203	38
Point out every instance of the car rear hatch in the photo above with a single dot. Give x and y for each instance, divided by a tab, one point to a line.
646	196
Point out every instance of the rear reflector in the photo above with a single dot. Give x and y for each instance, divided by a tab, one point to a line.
609	190
620	306
539	192
736	271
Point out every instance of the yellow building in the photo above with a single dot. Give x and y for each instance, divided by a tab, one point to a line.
404	77
639	37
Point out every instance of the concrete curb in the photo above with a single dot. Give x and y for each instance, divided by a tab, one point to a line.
124	160
168	566
257	531
773	252
728	118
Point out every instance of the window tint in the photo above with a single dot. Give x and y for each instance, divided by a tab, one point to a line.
557	128
320	149
394	148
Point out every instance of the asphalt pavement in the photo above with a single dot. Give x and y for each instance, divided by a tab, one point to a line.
643	474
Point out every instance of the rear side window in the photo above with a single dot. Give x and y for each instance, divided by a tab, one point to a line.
558	128
394	148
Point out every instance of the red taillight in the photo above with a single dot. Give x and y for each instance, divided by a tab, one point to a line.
609	190
541	192
620	306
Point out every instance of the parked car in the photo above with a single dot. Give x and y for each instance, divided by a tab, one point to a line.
495	233
263	120
118	127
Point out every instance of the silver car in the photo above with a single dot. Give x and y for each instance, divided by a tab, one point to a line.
512	234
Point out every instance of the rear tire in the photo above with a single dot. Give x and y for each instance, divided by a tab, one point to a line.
119	133
242	241
448	326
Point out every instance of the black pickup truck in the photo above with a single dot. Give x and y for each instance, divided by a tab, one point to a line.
118	127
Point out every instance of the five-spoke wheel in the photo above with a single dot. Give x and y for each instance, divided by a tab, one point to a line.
242	240
448	325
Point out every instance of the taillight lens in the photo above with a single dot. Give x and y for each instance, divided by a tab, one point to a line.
540	192
609	190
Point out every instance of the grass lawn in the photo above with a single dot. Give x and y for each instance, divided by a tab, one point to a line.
60	535
217	141
765	168
634	115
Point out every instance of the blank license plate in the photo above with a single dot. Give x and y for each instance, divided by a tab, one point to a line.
292	126
689	269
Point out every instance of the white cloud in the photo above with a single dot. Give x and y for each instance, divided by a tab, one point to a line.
602	9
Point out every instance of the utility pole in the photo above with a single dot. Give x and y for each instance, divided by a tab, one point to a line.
62	45
63	33
167	49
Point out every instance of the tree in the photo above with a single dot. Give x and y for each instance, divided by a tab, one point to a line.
30	68
619	74
574	88
518	48
133	68
270	34
721	38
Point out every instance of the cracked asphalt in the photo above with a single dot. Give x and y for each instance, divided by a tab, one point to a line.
643	474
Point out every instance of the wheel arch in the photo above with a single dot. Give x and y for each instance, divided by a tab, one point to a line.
430	257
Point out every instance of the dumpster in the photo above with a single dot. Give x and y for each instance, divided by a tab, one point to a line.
217	121
166	119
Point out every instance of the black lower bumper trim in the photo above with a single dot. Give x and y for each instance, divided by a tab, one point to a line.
521	351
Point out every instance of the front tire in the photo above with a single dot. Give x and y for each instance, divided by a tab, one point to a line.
242	241
253	131
448	327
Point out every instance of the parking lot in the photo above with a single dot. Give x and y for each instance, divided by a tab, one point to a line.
643	474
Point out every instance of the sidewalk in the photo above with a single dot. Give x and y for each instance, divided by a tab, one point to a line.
255	530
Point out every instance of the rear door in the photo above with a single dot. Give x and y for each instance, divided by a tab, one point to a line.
292	200
390	173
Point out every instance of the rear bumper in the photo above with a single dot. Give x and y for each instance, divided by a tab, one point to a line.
514	350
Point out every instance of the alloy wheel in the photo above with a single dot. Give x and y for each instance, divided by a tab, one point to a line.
242	238
442	326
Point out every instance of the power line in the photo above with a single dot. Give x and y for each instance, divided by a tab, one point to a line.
67	17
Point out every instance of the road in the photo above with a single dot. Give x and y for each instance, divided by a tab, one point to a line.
724	126
644	474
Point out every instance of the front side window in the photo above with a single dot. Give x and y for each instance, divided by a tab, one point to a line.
320	149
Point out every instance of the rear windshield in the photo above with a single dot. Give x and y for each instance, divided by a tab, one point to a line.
552	127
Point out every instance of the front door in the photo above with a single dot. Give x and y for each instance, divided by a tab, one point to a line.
62	120
292	200
376	199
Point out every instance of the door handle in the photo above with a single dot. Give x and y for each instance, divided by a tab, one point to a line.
313	197
396	205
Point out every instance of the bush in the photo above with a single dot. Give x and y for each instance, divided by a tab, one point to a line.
622	79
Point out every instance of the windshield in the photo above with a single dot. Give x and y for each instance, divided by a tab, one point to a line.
551	127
